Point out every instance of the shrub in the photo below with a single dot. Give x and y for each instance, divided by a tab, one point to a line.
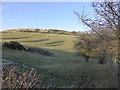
14	77
14	45
41	51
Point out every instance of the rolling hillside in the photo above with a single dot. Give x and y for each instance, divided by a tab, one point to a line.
66	68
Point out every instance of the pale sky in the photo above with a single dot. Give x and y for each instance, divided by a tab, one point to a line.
44	15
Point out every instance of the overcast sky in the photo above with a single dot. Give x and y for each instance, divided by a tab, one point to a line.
44	15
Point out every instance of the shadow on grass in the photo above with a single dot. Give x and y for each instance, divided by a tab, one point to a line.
37	40
65	68
57	43
60	56
15	38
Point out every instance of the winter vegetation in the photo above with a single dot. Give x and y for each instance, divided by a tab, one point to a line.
66	59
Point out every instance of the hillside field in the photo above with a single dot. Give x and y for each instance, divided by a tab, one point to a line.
65	68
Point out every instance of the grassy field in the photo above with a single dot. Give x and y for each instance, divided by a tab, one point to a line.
66	68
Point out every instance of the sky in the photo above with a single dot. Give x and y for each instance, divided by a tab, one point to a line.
44	15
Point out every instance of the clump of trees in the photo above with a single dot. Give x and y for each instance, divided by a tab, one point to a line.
90	45
105	26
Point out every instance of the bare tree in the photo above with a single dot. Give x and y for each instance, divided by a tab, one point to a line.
105	24
85	45
106	17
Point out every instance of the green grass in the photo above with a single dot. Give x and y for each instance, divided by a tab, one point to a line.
65	67
41	40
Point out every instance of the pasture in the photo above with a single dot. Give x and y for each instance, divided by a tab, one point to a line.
65	69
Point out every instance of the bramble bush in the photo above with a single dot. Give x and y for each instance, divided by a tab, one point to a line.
15	77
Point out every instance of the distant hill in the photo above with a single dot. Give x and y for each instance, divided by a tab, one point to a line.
22	30
36	30
54	31
31	30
